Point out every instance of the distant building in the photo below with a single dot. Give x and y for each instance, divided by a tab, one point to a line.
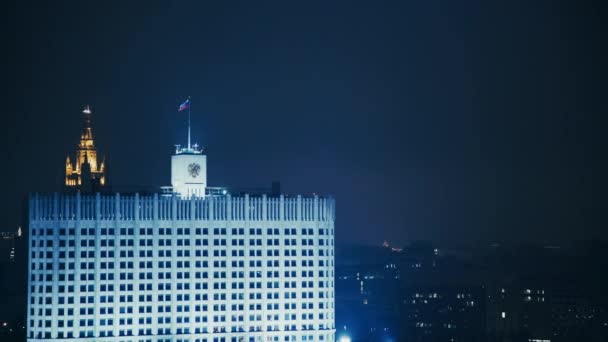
86	172
444	314
576	316
8	245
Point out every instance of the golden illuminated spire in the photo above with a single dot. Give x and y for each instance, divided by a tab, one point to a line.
86	153
87	133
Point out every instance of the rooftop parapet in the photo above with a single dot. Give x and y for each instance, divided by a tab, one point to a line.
157	207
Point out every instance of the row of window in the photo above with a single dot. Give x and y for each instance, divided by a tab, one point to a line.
185	331
167	253
178	242
84	322
179	287
198	308
178	231
142	298
148	253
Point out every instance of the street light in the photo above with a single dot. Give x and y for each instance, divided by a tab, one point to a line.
344	338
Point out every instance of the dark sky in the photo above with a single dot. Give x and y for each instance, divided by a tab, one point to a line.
454	121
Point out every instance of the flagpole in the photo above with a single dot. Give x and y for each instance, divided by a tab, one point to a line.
189	122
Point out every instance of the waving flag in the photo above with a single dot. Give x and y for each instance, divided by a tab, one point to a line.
184	105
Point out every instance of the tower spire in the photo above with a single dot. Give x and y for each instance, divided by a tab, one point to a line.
188	164
87	133
85	167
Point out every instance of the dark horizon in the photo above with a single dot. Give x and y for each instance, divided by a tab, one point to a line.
461	123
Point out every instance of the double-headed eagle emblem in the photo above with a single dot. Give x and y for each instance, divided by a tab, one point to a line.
194	169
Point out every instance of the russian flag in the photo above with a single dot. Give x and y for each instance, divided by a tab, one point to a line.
184	105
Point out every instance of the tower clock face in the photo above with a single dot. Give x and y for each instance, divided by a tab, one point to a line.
194	169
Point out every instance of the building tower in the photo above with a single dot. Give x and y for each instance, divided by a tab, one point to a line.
189	166
189	171
85	173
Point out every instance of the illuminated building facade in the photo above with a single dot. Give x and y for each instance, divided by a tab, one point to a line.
155	268
189	171
85	171
183	266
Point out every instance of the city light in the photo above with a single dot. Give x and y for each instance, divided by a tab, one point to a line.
344	338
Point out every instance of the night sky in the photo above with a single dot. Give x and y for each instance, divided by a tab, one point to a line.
452	121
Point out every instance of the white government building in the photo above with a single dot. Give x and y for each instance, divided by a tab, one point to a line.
194	265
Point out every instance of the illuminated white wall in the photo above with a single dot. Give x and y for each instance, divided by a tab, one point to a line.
153	268
189	174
